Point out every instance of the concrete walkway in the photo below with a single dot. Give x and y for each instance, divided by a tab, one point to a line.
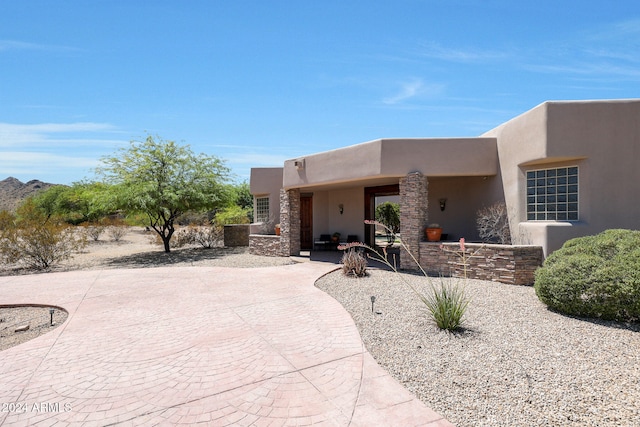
188	345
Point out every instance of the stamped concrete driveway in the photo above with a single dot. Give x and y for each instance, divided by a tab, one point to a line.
189	345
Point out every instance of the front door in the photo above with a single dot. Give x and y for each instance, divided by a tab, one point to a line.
306	222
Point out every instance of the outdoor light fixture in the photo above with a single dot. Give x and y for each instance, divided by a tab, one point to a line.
51	311
443	204
299	164
341	208
373	300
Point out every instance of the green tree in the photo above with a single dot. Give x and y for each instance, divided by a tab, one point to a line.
163	180
388	213
82	202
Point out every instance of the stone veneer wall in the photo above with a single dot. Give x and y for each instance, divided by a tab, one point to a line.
413	216
499	263
264	244
236	235
289	222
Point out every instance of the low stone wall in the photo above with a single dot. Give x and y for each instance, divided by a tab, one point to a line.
236	235
499	263
264	244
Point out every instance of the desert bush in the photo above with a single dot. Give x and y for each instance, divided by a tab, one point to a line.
33	241
354	263
117	232
594	276
493	224
94	230
206	237
209	237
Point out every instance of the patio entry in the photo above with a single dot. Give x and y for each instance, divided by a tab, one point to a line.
370	194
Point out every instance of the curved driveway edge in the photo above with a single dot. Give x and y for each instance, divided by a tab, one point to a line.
188	345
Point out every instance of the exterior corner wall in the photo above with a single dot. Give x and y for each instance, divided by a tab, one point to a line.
264	245
289	222
413	216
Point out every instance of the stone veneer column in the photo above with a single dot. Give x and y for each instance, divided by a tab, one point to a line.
413	216
289	222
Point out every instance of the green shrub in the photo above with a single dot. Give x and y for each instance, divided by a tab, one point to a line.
232	215
594	276
447	304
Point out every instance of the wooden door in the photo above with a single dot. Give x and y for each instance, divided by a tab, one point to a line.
306	222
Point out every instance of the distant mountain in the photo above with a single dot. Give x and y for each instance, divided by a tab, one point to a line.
13	191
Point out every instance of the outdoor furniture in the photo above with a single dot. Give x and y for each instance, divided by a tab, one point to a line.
352	238
323	243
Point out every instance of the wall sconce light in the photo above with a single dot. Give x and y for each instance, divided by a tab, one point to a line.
341	208
443	204
299	164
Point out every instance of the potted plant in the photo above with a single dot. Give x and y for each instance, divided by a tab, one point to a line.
433	232
335	238
277	229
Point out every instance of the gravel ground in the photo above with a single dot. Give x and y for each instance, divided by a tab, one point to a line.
37	318
515	363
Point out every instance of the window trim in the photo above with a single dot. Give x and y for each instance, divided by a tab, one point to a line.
550	187
260	215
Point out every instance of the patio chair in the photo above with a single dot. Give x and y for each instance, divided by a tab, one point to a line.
323	242
351	238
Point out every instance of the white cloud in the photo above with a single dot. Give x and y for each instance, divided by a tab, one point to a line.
437	51
18	135
6	45
412	89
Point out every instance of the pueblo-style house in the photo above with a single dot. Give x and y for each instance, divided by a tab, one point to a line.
564	169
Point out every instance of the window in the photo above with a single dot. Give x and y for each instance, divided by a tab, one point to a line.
262	209
552	194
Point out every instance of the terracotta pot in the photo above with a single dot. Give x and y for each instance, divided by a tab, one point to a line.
277	231
433	234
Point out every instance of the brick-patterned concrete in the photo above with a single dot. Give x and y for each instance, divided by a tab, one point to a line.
413	216
187	345
514	265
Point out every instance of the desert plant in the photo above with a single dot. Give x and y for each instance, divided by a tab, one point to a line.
354	263
594	276
493	224
35	241
209	237
446	303
116	232
232	215
94	231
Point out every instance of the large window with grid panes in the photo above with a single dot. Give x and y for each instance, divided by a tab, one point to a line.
262	209
552	194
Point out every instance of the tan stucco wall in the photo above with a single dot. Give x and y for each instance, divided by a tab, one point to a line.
601	137
394	158
266	182
465	196
326	215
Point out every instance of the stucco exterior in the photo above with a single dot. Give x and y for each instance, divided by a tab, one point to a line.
598	139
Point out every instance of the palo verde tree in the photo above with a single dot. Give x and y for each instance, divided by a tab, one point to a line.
163	180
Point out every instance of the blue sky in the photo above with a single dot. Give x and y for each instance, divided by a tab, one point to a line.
258	82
